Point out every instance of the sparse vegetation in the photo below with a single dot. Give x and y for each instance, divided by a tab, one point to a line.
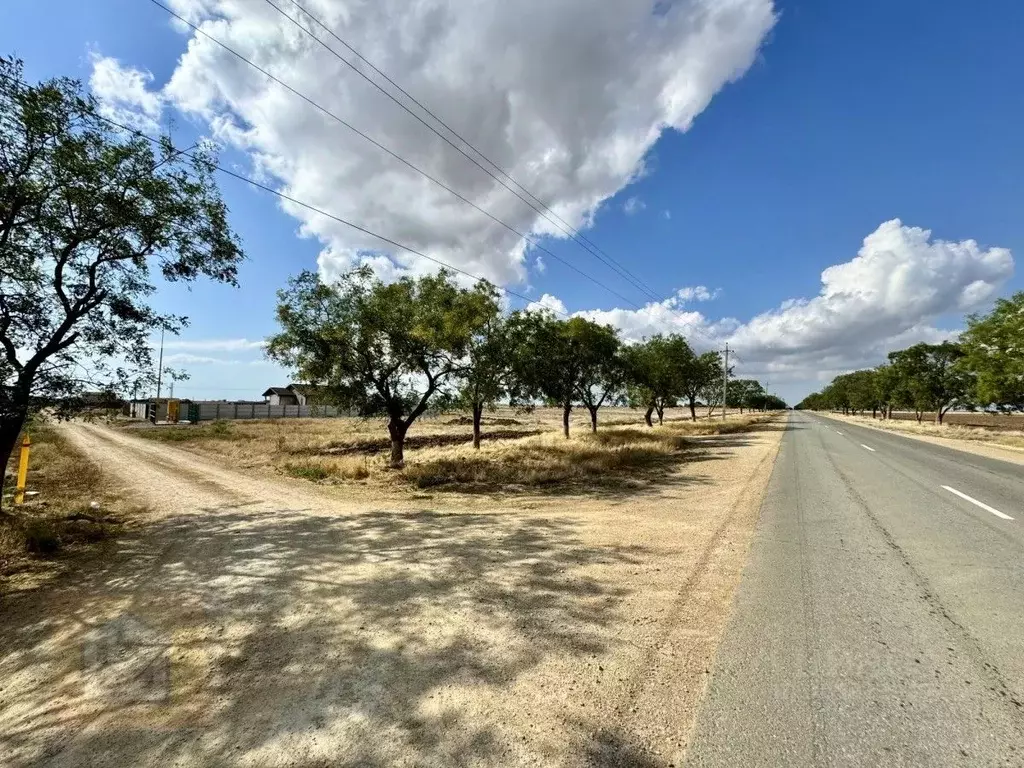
60	517
522	452
186	433
307	471
1005	435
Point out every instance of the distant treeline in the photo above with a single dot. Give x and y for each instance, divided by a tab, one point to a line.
985	368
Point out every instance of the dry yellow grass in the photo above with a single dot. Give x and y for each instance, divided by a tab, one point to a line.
520	452
59	518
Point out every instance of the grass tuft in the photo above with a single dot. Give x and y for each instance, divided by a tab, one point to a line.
41	536
314	472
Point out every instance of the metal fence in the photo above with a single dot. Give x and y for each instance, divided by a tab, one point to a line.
214	411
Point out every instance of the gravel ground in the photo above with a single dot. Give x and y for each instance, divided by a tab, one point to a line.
260	622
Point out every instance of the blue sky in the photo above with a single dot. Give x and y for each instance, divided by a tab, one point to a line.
849	115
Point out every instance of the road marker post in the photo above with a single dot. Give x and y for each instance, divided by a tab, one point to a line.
26	447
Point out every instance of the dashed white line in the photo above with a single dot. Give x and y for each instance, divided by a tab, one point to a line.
838	432
868	447
977	503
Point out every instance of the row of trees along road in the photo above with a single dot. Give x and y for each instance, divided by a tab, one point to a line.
89	217
984	368
397	349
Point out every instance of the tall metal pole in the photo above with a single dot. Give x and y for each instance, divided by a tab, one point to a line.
160	365
725	381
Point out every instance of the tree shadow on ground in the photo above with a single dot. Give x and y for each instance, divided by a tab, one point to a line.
286	637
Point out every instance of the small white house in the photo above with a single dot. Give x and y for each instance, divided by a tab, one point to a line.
281	396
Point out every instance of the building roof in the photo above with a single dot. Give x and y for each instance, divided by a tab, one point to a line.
286	391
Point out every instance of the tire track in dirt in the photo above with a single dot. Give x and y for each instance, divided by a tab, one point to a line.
175	481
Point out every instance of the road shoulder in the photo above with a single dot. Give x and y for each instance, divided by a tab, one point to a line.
988	450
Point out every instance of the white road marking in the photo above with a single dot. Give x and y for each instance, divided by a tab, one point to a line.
838	432
868	447
977	503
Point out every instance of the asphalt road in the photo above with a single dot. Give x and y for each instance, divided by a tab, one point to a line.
880	619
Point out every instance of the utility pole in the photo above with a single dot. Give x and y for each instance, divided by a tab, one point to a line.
160	365
725	381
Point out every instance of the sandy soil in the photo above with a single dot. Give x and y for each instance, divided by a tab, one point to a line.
920	432
264	622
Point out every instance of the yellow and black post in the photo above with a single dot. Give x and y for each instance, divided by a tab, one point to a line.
26	446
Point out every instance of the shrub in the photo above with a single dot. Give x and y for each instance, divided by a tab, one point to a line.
313	472
41	537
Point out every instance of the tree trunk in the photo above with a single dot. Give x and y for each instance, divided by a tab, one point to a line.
397	430
889	411
874	412
693	410
938	416
478	410
593	418
661	415
566	410
10	429
919	415
647	416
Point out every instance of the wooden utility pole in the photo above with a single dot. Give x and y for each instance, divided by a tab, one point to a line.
160	365
725	381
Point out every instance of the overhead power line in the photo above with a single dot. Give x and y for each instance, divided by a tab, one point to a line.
322	212
547	212
393	154
409	164
544	209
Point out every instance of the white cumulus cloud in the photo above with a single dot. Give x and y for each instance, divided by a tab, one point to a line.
886	297
548	302
633	205
565	99
697	293
125	95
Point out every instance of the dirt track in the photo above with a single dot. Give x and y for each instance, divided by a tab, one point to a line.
264	622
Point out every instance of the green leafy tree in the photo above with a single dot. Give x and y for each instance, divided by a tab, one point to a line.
861	389
490	372
746	393
932	377
657	371
383	348
603	382
703	381
993	348
886	383
568	361
89	217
